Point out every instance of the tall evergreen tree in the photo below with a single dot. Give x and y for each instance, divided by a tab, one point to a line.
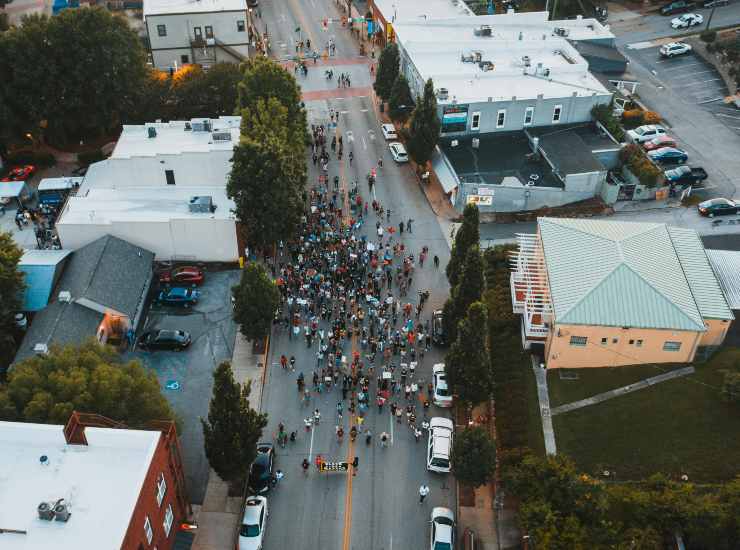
469	289
233	428
11	288
387	71
400	102
256	298
425	127
467	235
468	361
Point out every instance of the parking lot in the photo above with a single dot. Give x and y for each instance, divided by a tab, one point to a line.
186	377
695	80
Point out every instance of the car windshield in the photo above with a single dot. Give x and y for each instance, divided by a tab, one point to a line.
442	546
248	530
444	392
441	462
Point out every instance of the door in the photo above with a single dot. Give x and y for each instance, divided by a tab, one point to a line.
198	33
209	31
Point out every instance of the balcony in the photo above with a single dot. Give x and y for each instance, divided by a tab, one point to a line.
530	292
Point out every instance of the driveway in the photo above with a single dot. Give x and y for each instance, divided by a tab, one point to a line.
186	377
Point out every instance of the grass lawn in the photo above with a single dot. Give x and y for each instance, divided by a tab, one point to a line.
676	427
598	380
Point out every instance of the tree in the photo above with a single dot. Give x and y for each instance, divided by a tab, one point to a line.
424	127
70	77
11	288
263	79
256	298
468	362
387	71
197	93
400	101
233	428
469	289
467	235
268	175
87	378
474	456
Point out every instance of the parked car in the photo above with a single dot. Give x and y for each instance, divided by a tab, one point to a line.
174	340
262	469
442	394
182	275
443	529
439	445
398	152
687	20
389	131
714	3
20	173
718	207
685	175
679	6
673	49
658	142
179	296
668	155
641	134
254	522
438	333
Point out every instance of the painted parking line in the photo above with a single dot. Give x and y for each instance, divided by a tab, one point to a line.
683	66
701	82
723	115
698	72
705	101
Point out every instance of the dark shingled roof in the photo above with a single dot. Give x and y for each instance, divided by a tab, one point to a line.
110	272
569	154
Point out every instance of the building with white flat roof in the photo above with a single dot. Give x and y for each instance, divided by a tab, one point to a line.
196	31
84	486
386	13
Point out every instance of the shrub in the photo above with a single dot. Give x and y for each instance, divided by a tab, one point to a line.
632	114
605	115
88	157
650	117
38	158
708	36
635	159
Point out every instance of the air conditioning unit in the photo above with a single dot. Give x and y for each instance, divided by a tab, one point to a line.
483	30
560	31
485	65
188	127
443	94
46	511
65	296
221	136
527	61
151	132
62	511
202	204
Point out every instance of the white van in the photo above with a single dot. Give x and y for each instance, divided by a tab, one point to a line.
439	446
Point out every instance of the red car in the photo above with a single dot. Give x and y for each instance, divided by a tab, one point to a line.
188	275
20	173
658	142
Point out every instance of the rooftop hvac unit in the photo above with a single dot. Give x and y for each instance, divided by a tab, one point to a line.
561	31
65	296
61	511
152	131
527	61
221	136
483	30
486	65
197	126
188	127
46	511
443	94
207	125
202	125
202	204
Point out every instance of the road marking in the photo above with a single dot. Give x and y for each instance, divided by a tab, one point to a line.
363	110
682	66
727	116
343	112
310	447
371	133
702	82
640	45
346	540
364	145
710	100
392	419
693	74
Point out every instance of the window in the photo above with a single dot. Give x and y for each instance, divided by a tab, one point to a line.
169	517
170	175
501	118
556	113
528	116
475	124
671	346
161	489
632	342
240	27
615	340
604	341
148	530
184	59
198	32
578	340
209	31
638	344
162	30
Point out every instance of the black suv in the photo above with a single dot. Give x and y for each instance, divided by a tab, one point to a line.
263	469
438	333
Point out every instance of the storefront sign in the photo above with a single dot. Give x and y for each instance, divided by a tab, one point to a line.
480	200
454	118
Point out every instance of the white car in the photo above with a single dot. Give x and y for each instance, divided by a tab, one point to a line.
641	134
254	522
439	446
674	48
389	131
687	20
443	529
398	152
442	393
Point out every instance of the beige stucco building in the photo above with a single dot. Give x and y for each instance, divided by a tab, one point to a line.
606	293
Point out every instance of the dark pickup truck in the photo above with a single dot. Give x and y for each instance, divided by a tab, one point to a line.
685	175
680	6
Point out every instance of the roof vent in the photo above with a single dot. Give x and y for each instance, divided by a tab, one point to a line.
206	125
486	65
443	94
65	296
561	31
221	136
483	30
152	131
188	127
61	511
46	511
41	349
527	61
202	204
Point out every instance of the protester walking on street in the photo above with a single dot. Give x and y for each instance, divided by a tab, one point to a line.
423	492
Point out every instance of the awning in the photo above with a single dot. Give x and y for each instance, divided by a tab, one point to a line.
11	189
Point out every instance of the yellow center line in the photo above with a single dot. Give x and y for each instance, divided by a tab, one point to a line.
350	473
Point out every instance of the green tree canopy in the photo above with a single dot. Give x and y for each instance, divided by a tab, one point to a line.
233	427
467	235
387	72
425	127
70	77
88	378
197	93
474	456
469	289
11	288
468	361
400	102
256	299
268	176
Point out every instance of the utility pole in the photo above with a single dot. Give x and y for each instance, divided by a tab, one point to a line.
711	14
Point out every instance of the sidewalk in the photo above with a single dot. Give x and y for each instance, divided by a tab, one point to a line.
218	517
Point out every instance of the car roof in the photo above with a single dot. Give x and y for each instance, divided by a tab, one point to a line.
179	291
253	508
439	367
441	422
441	511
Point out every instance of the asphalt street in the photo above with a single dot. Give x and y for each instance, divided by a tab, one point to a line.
378	508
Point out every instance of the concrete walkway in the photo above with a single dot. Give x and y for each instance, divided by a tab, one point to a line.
642	384
218	517
540	375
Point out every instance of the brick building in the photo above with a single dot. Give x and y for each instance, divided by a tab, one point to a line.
91	484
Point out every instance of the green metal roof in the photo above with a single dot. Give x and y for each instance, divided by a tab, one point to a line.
628	274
